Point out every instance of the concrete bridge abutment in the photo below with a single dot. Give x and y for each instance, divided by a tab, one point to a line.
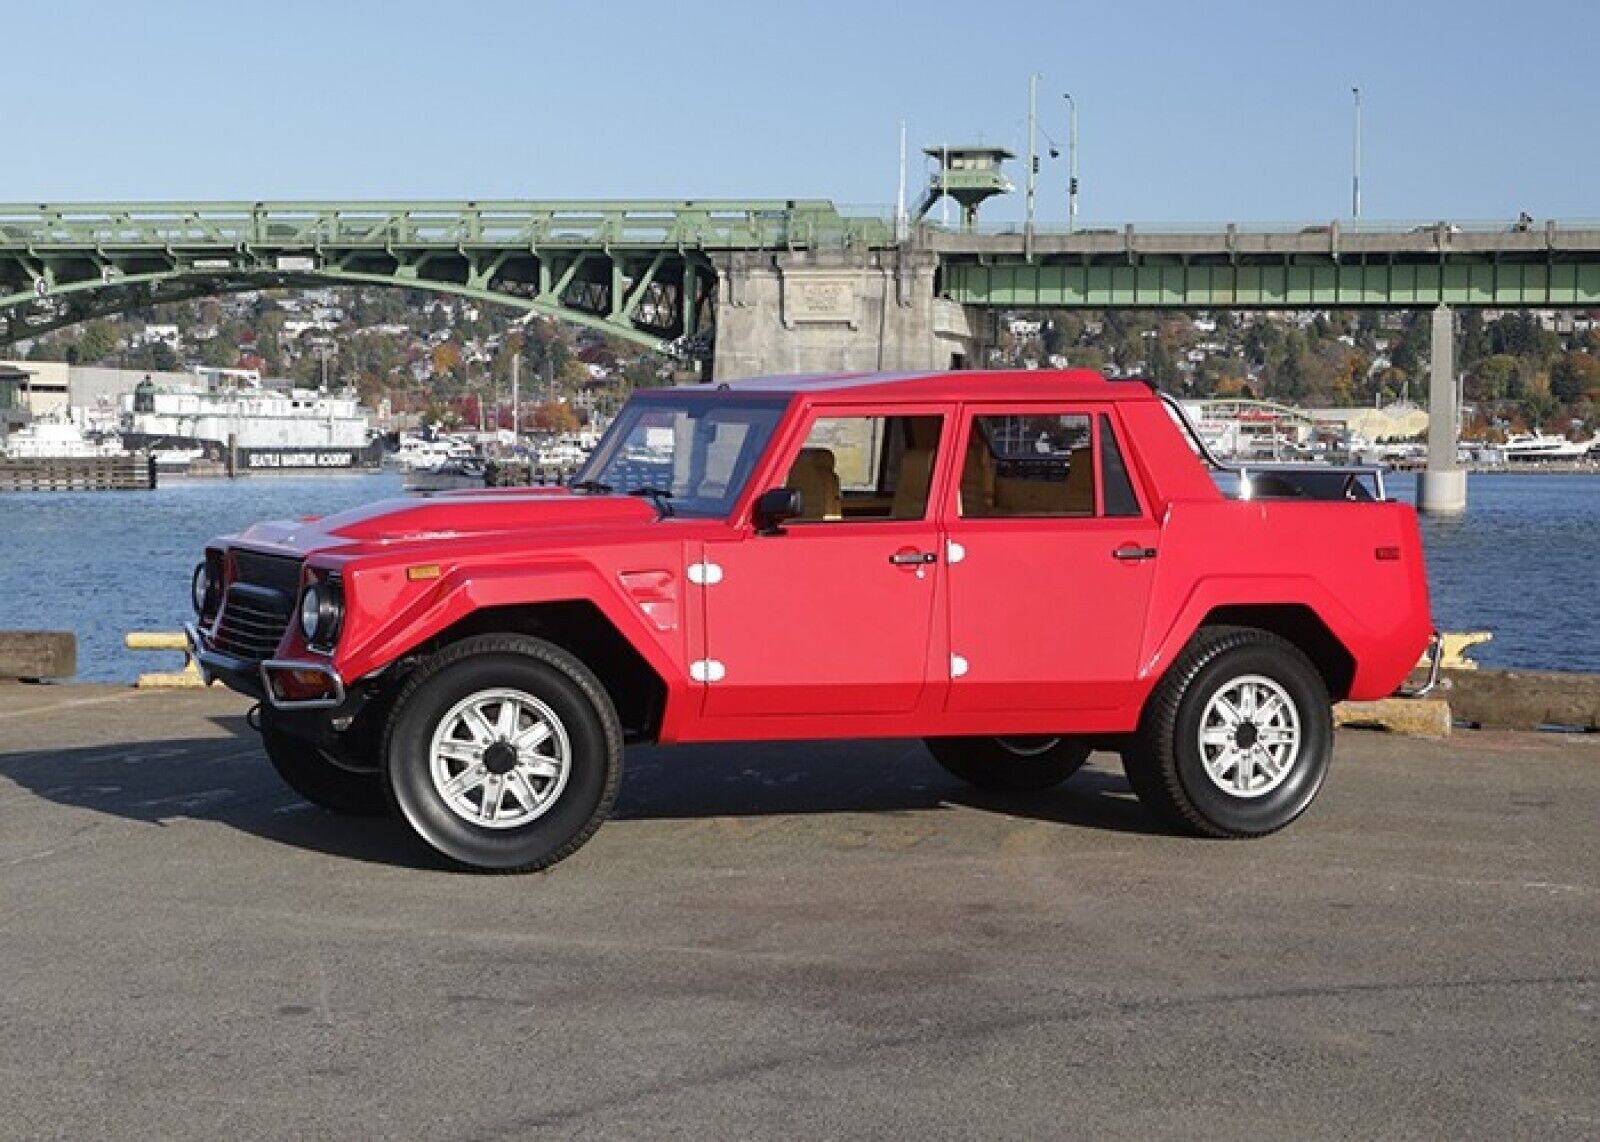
827	311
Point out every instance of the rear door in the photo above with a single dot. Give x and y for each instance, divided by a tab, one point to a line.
1052	551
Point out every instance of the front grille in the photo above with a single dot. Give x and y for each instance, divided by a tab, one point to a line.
280	573
258	605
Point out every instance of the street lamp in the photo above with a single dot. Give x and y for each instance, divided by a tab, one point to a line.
1072	165
1355	176
1033	158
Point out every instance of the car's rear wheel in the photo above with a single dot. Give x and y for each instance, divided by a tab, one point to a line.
1237	737
343	783
1010	764
503	753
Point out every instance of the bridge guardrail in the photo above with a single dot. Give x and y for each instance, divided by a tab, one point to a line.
711	224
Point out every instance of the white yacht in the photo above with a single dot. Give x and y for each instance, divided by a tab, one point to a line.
416	453
55	440
1525	446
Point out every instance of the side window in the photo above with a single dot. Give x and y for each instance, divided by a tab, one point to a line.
866	468
1120	500
1029	465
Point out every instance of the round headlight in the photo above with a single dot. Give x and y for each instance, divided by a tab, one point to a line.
321	610
200	588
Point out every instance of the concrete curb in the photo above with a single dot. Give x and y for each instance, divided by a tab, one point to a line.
1524	699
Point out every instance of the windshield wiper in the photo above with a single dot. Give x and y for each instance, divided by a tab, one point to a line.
590	486
659	495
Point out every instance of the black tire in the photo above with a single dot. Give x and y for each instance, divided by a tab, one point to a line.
536	672
1166	762
1011	765
336	783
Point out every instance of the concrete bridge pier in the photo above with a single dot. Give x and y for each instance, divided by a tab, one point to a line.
840	310
1442	486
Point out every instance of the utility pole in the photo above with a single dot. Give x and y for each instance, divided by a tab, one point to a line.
1033	160
1355	165
1072	164
516	392
900	195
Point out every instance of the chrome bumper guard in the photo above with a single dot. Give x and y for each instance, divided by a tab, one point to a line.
335	698
210	664
1435	664
256	680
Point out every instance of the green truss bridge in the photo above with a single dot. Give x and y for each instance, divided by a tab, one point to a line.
641	270
781	286
762	285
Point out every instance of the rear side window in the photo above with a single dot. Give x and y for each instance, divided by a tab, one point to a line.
1120	500
1029	465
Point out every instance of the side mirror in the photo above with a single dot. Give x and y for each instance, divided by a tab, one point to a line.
774	507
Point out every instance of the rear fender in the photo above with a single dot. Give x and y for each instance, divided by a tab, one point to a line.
1165	641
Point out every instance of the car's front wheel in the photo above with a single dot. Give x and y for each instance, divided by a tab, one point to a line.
1010	764
503	753
1237	737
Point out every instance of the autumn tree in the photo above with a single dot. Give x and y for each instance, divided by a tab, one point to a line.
555	416
1574	375
445	359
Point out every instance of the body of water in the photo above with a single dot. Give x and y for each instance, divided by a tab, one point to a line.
105	563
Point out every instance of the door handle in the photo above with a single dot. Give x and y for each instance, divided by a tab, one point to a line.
912	558
1132	551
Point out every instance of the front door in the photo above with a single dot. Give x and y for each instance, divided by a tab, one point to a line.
1052	554
836	614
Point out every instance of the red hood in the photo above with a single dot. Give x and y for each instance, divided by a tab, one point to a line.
450	516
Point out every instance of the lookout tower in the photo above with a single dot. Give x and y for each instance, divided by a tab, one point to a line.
968	174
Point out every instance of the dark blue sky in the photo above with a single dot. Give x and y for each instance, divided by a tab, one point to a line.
1189	111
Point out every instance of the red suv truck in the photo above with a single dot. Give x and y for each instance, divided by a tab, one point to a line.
1016	567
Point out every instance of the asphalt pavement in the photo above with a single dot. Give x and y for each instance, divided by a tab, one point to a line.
791	941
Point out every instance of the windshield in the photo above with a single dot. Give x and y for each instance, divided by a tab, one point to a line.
698	451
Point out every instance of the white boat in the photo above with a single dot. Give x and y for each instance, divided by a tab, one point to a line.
1522	447
448	476
56	440
417	454
272	429
561	454
176	459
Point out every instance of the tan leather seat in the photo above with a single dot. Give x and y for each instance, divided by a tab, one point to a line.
814	477
1074	496
977	478
911	489
1077	498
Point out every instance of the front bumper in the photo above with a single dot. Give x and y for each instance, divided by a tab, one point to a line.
284	684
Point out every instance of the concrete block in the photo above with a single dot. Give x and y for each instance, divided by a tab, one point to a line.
1525	699
38	654
1414	717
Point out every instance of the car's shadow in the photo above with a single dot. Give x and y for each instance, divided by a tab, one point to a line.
225	778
